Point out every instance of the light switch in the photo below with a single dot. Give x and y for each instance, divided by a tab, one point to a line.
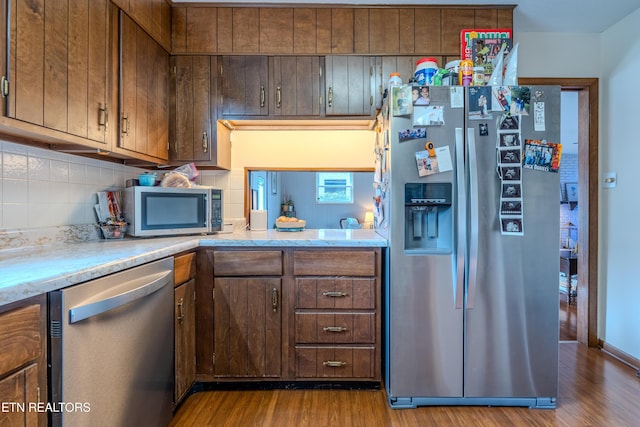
609	180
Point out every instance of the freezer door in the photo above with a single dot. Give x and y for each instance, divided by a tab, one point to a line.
511	321
425	341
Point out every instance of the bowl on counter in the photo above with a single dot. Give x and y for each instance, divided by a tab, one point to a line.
113	231
147	179
297	225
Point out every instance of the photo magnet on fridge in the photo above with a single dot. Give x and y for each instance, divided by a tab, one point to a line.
401	100
511	207
542	155
512	226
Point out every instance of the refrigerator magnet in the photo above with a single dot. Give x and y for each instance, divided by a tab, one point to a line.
512	226
538	117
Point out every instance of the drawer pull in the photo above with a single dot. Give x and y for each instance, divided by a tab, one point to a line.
334	363
334	294
334	329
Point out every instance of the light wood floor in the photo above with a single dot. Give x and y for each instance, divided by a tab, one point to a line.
568	319
594	390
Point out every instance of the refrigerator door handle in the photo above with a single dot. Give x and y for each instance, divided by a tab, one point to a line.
473	216
458	290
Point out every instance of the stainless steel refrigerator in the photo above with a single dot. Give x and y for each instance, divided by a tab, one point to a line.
471	294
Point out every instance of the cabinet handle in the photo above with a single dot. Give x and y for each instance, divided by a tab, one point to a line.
334	363
125	124
103	116
205	142
330	97
262	96
4	86
334	329
181	311
278	97
274	299
334	294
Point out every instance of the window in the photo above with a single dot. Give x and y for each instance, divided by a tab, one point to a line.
334	187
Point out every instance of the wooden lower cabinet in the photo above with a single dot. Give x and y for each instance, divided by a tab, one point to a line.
335	362
286	314
23	369
337	314
248	327
184	323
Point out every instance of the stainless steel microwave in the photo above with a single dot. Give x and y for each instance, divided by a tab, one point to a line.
164	211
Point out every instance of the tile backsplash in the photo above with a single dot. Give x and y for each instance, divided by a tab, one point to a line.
43	188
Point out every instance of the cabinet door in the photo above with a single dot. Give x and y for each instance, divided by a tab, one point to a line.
58	66
295	86
385	65
144	92
245	85
349	85
247	327
21	389
194	139
185	337
192	75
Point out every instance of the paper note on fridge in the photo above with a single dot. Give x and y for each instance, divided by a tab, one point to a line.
428	165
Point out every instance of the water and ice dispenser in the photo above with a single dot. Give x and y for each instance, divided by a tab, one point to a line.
428	217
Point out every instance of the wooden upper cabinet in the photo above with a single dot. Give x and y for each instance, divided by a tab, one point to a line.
58	66
349	85
154	16
193	128
276	30
428	30
245	85
295	85
144	94
3	58
191	116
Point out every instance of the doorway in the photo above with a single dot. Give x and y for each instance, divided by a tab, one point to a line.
587	302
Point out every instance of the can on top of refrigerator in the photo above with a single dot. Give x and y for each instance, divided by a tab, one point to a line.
466	72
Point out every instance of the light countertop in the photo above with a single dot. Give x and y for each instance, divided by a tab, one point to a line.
31	271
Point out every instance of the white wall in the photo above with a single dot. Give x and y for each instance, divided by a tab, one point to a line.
619	207
614	58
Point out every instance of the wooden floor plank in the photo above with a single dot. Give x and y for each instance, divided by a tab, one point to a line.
595	389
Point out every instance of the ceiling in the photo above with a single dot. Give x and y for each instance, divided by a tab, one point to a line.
537	16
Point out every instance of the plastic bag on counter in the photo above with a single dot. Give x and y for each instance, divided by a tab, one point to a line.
181	177
189	170
511	68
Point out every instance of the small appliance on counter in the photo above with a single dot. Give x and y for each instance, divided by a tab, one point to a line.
166	211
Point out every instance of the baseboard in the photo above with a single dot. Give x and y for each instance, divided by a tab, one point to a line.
625	358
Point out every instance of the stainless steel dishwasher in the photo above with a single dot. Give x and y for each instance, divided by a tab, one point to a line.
111	349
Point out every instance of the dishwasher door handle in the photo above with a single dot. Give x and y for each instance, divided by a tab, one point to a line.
150	284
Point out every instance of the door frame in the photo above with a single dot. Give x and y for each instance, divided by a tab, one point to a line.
588	99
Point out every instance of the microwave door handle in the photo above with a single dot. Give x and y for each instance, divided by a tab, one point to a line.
151	284
207	215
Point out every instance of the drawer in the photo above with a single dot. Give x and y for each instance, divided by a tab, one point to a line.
335	328
19	337
247	263
334	263
336	293
184	268
335	362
